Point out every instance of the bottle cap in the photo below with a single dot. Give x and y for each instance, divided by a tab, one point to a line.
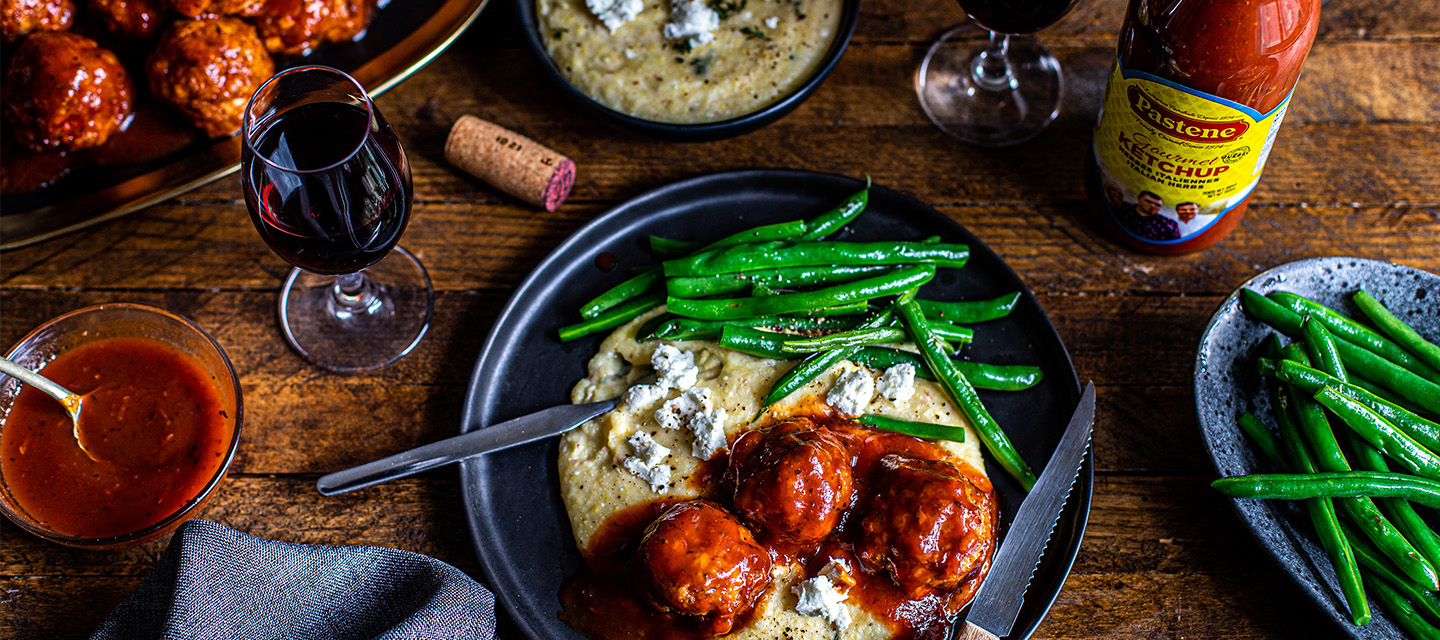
510	162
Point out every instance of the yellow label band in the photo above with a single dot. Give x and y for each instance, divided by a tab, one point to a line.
1173	160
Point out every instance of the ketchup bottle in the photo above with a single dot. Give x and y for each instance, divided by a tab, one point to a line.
1194	101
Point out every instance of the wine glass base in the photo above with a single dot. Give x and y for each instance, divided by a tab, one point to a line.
380	329
989	116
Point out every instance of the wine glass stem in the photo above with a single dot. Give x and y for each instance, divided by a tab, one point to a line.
991	69
353	294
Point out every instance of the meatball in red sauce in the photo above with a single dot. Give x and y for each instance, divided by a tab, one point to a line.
132	19
792	482
208	69
927	524
697	559
199	8
297	26
62	91
19	18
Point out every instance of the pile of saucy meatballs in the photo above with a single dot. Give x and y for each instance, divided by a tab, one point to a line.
65	92
810	490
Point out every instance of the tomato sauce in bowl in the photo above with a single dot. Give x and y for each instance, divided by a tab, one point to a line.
160	420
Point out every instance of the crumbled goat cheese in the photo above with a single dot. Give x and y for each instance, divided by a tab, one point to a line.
615	13
692	19
709	430
644	395
691	411
897	384
674	367
677	412
818	597
852	392
630	54
772	22
647	461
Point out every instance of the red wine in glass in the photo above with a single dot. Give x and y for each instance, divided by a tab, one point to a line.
339	210
1015	16
328	188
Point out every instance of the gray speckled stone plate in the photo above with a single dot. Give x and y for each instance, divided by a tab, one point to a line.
1226	385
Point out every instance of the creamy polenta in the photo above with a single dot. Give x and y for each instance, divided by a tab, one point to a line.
761	51
595	482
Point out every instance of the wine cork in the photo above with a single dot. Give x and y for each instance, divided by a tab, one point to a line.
510	162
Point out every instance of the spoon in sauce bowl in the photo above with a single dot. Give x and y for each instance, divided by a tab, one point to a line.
71	401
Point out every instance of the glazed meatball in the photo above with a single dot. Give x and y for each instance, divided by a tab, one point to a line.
927	524
21	17
792	482
62	91
297	26
132	19
699	560
208	69
212	8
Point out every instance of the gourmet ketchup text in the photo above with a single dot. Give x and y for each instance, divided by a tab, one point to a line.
1194	100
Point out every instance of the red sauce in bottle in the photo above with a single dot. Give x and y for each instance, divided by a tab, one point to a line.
151	414
1191	110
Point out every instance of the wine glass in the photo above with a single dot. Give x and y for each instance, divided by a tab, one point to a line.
328	188
987	84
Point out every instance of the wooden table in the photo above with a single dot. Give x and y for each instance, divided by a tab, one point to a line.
1356	172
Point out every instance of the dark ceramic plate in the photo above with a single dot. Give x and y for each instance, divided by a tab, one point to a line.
1226	385
405	36
701	131
512	497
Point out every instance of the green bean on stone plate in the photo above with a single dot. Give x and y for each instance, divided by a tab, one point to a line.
1355	333
1403	334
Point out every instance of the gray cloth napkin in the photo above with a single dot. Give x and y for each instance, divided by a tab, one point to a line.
215	582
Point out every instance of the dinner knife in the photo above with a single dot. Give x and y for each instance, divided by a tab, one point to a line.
536	426
997	603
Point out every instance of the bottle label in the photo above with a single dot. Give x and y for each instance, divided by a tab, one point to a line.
1174	160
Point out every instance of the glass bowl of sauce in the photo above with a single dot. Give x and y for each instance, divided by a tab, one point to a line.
160	421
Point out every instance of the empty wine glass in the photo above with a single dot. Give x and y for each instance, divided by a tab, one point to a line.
986	84
328	188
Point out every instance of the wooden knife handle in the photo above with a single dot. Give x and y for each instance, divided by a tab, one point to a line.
973	632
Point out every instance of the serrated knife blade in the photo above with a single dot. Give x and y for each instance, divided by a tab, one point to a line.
997	603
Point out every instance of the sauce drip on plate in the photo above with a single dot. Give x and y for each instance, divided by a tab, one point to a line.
152	416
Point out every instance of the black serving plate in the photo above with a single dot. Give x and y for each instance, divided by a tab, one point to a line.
700	131
512	497
403	37
1227	385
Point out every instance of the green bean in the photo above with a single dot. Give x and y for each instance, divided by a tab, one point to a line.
1399	402
844	339
1264	440
1379	432
818	363
763	344
1343	484
646	331
1355	333
676	328
670	248
1311	381
784	254
1403	334
836	219
993	377
1315	430
867	289
701	286
1321	510
1401	611
970	311
616	316
960	391
1374	564
926	430
635	286
1358	360
1321	347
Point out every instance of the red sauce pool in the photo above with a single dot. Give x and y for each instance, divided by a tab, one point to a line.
152	415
